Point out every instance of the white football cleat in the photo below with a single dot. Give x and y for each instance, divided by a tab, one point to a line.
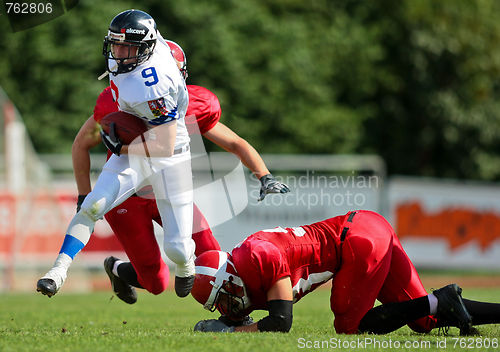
51	282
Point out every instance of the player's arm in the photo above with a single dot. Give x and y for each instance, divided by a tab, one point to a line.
280	305
225	138
87	138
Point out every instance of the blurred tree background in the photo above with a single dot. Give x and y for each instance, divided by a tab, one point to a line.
413	81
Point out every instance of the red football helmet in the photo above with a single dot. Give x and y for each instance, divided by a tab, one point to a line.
218	286
179	56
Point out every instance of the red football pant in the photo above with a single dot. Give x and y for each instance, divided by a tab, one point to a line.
374	266
132	223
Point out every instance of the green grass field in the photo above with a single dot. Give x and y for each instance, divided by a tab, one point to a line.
93	322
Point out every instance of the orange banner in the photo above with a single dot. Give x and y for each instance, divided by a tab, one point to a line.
458	225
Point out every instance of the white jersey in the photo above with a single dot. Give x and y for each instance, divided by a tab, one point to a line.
155	91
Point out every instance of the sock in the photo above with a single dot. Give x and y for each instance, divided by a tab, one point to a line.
127	273
483	312
185	270
433	303
63	261
115	267
391	316
78	234
58	272
71	246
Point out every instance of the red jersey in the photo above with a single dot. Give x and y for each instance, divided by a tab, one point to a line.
104	105
308	254
202	114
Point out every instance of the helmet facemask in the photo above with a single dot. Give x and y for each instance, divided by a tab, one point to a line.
138	52
218	287
230	300
134	34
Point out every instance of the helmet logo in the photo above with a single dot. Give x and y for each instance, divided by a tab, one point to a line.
151	34
135	31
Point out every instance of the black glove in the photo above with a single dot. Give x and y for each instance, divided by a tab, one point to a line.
247	320
271	185
212	325
81	198
111	140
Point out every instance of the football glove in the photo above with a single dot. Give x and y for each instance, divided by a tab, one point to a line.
247	320
271	185
81	198
111	140
212	325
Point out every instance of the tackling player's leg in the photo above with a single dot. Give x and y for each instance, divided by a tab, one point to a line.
202	234
132	223
366	257
123	291
405	300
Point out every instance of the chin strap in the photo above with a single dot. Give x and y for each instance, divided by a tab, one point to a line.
105	73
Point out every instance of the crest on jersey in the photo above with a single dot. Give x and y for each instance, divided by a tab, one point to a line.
158	107
160	112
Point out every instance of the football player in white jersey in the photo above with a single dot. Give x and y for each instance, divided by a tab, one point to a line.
145	82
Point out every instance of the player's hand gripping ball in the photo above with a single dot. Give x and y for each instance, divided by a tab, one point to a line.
111	140
127	126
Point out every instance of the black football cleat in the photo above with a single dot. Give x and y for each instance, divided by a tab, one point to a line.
451	309
123	291
47	287
472	331
183	285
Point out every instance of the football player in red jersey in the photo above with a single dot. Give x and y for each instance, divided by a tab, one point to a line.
360	252
132	220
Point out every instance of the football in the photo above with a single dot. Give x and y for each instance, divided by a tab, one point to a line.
128	126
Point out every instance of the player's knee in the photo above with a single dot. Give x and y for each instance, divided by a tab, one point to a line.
94	209
155	280
84	217
179	252
343	326
157	286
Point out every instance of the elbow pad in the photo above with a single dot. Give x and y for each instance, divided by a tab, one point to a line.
280	316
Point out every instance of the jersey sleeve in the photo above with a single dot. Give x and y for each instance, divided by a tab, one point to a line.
274	265
158	111
104	105
265	266
203	111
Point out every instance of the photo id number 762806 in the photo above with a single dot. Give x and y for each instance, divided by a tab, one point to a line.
28	7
